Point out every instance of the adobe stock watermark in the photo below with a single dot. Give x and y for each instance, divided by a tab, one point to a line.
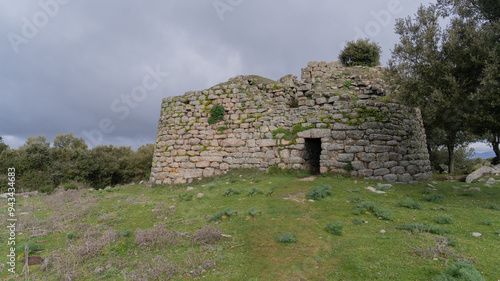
123	105
224	6
31	27
382	19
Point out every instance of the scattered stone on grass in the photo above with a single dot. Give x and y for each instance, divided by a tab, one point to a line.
200	195
189	188
312	178
476	234
374	190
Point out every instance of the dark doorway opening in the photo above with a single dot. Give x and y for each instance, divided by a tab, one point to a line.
312	154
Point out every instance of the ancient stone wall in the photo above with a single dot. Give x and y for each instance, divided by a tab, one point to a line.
334	119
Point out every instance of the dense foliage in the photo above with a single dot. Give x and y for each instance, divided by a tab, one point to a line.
451	73
361	52
40	166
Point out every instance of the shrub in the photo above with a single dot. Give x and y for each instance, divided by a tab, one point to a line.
222	215
445	220
370	207
253	212
32	246
123	233
231	191
459	271
67	186
493	207
358	221
212	186
72	235
335	228
347	84
426	228
216	114
186	197
254	191
361	52
287	238
409	203
434	198
319	192
488	222
356	199
349	167
207	235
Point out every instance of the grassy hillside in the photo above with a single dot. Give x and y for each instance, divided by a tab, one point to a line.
269	231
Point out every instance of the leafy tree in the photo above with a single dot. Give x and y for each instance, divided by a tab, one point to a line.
429	70
361	52
484	118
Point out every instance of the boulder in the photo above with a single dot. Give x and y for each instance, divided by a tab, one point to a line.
485	170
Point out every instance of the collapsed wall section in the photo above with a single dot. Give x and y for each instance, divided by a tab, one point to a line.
334	119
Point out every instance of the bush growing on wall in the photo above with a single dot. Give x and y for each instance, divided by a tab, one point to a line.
361	52
216	114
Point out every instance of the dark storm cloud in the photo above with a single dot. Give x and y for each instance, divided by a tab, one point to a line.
81	64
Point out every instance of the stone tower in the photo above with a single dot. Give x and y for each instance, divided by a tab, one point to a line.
333	119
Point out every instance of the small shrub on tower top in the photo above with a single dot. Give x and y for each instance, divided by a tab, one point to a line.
361	52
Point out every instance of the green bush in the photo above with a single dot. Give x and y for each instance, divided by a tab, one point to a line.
358	221
32	246
418	227
222	215
335	228
123	233
287	238
72	235
493	207
361	52
254	191
434	198
68	186
459	271
319	192
356	199
253	212
409	203
216	114
445	220
231	191
370	207
488	222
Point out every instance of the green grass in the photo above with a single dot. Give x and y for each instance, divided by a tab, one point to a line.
136	228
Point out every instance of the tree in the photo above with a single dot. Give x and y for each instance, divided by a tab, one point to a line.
484	119
429	70
361	52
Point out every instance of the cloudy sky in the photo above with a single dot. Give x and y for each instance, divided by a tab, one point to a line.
99	69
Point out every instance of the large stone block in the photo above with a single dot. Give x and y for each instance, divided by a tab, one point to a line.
345	157
232	142
265	142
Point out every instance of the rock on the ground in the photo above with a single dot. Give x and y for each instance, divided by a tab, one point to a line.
189	188
485	170
374	190
476	234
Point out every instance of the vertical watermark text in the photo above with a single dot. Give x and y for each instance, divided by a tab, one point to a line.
11	220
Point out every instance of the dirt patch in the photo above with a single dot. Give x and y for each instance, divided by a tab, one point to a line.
308	178
33	260
297	196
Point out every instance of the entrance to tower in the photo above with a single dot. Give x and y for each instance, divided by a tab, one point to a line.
312	154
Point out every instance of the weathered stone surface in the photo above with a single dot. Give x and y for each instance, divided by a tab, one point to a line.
485	170
232	142
265	142
345	157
